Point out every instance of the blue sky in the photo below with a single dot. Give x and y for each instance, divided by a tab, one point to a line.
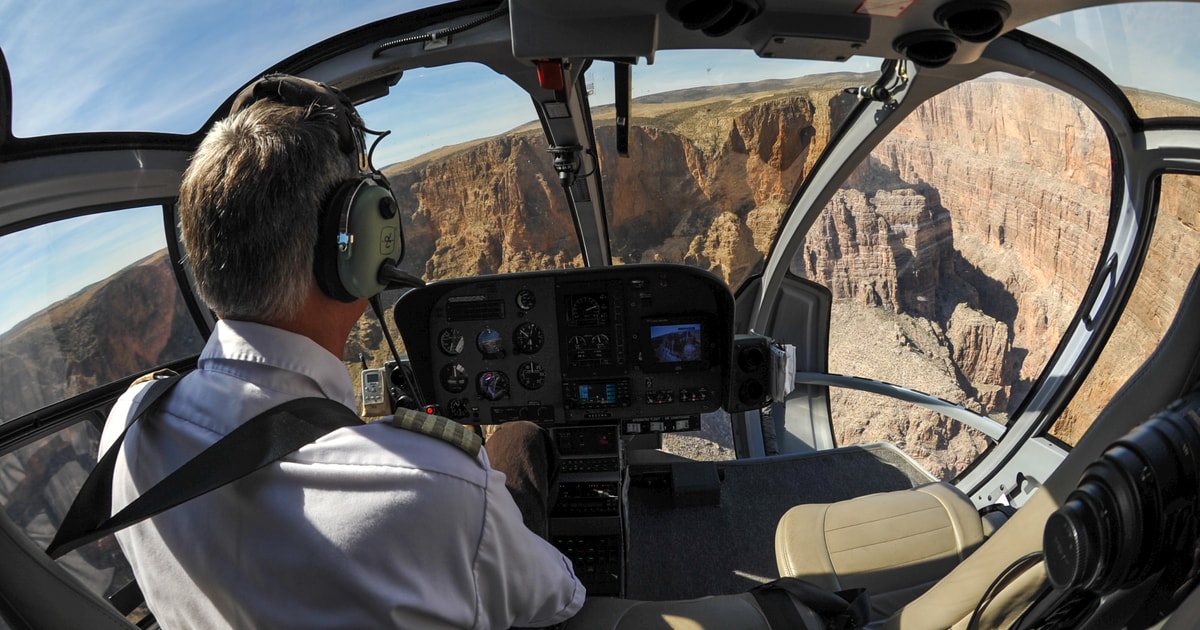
82	251
80	65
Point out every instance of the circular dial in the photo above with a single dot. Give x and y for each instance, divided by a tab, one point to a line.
585	309
531	375
454	377
451	341
492	384
526	300
490	343
458	408
528	338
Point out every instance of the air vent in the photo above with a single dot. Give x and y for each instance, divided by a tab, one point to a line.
714	17
974	21
474	310
927	49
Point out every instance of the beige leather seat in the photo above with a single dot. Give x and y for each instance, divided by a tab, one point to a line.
952	601
896	545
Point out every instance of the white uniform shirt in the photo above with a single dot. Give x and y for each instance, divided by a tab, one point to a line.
368	527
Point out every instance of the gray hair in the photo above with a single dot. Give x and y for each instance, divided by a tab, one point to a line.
249	207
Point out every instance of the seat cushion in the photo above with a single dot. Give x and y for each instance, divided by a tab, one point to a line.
894	544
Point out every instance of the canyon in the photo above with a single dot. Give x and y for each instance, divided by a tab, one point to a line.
957	253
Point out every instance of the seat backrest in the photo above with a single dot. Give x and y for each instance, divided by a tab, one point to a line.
37	594
893	544
1166	375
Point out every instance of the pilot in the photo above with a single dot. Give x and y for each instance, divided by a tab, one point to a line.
370	526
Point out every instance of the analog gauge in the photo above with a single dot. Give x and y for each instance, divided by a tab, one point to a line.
458	408
531	375
526	300
490	343
492	384
587	310
454	378
451	341
528	338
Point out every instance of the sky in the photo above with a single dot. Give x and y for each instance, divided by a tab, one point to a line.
81	251
88	65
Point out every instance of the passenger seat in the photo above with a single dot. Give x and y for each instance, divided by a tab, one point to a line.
896	545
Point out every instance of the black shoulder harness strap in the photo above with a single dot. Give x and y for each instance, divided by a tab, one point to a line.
261	440
842	610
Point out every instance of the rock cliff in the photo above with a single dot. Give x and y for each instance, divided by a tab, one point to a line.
966	237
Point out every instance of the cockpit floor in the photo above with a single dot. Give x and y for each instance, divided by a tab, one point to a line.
676	552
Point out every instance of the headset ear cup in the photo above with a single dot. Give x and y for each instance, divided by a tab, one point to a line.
365	211
325	253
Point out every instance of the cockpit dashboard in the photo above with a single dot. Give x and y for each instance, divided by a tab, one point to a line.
647	346
598	356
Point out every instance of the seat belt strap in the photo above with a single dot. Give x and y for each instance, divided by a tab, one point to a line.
842	610
259	441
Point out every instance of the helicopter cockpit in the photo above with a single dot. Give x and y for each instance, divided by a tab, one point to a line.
757	266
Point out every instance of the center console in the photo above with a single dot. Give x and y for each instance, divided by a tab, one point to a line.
598	356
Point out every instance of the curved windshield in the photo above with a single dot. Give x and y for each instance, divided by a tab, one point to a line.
470	175
957	255
719	141
85	302
1149	49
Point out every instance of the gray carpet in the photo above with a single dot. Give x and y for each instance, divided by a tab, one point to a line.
678	552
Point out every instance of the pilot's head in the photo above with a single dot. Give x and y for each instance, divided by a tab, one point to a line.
250	201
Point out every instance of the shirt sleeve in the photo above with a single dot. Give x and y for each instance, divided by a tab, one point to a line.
522	579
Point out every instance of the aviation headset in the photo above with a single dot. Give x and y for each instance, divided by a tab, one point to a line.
359	236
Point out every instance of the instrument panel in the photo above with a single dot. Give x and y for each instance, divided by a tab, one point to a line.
571	346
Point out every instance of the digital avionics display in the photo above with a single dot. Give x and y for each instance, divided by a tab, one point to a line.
677	343
596	394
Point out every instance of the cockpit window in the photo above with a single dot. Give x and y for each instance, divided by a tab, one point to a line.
958	254
1172	259
38	483
468	164
719	142
85	302
1148	48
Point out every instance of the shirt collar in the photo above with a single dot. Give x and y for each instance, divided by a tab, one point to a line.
235	342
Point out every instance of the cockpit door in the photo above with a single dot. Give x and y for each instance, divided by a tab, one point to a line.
799	318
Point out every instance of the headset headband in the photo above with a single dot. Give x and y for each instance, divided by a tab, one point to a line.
325	101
